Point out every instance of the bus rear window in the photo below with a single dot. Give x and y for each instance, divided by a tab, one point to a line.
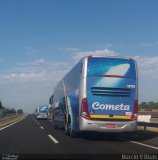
43	109
116	67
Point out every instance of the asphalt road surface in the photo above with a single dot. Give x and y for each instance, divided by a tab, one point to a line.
37	138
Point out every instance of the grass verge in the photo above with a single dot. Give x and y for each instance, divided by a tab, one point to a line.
9	120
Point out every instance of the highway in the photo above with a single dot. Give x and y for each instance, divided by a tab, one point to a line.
31	136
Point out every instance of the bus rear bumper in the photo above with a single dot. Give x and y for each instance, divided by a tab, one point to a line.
42	117
105	126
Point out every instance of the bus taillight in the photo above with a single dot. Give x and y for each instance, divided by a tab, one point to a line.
135	112
84	109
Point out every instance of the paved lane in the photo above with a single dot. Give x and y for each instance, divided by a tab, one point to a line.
26	137
31	136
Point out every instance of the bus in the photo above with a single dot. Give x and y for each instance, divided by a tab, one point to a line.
98	94
42	112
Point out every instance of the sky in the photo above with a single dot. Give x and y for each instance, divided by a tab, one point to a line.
41	40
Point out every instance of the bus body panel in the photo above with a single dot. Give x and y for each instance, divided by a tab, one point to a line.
66	98
100	126
107	100
81	82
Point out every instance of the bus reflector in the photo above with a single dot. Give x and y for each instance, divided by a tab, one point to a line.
84	109
135	112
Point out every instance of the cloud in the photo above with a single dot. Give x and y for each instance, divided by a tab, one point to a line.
72	49
149	44
38	70
69	49
147	77
103	52
32	83
39	61
40	64
35	62
147	66
24	77
30	51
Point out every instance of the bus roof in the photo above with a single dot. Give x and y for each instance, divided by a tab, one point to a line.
101	56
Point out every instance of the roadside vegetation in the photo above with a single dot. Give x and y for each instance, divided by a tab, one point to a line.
5	111
9	115
148	106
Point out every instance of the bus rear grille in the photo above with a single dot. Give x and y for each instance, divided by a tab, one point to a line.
111	92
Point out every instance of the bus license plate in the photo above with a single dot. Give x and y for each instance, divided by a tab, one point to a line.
110	125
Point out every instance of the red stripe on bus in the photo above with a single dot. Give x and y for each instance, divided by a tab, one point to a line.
113	76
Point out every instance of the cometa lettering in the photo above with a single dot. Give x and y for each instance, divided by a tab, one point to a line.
97	105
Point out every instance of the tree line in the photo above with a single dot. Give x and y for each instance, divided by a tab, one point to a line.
5	111
148	106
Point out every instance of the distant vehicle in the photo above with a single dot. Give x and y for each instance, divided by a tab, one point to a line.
42	112
98	94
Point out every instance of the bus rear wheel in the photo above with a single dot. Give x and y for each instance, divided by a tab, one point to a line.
55	126
73	134
68	129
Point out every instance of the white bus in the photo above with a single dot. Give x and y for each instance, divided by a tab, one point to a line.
98	94
42	112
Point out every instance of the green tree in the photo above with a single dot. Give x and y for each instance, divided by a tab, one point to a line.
12	111
1	106
148	106
143	105
6	111
20	111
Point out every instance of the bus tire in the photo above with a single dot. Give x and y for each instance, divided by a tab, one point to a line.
55	126
67	126
67	131
73	134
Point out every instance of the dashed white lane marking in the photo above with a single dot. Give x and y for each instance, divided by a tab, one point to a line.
11	124
41	127
50	136
53	139
34	119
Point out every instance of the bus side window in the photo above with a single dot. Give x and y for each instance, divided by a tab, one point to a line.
51	100
62	104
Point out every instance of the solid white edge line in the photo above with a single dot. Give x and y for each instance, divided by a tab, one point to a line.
146	145
142	144
53	139
12	124
41	127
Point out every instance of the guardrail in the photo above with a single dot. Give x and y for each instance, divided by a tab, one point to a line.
154	116
147	124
